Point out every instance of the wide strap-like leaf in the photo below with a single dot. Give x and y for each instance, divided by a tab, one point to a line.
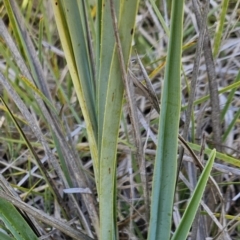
165	168
110	97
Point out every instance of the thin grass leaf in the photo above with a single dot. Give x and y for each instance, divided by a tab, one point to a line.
230	97
40	53
37	91
159	15
231	125
219	31
223	90
189	214
228	159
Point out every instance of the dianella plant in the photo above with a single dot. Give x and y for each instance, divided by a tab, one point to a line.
103	54
95	69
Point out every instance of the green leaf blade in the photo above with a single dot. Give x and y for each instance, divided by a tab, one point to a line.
166	159
15	222
110	97
188	216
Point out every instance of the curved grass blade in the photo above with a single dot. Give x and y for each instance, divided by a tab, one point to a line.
189	214
165	168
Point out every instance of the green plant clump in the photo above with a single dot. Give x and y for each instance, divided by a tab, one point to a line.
114	114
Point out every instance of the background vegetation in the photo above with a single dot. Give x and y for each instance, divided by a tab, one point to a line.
94	95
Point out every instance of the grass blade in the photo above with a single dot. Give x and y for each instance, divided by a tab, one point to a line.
228	159
219	31
189	214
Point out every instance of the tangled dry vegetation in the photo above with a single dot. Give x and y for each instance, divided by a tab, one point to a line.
19	168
